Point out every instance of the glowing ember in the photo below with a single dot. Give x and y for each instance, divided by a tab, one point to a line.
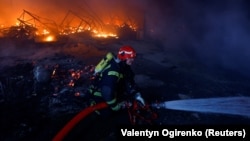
99	24
71	83
49	38
105	35
77	94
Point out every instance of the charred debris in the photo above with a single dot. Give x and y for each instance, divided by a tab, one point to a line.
58	86
34	91
33	28
29	79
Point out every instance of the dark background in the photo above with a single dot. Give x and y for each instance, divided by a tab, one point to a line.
191	49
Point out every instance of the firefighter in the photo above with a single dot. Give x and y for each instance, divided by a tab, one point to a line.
114	80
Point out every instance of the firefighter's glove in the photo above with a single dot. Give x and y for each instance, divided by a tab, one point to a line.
139	98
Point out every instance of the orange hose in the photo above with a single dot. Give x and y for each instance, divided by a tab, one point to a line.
68	127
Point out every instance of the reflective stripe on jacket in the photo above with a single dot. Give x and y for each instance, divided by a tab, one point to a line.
108	78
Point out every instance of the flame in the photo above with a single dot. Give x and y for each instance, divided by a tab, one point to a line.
105	35
49	38
46	38
43	28
17	23
45	32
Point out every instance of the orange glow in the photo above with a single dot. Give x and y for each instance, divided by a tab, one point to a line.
92	16
49	38
17	23
45	38
45	32
105	35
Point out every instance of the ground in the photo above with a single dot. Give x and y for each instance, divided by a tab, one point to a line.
163	75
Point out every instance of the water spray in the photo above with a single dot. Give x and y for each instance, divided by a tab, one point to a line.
223	105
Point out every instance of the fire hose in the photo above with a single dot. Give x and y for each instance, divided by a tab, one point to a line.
71	124
136	113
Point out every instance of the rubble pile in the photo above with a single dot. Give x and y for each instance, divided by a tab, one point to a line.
51	88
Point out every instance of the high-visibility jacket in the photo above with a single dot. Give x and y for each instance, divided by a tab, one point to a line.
115	80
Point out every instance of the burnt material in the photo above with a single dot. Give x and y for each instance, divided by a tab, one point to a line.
32	94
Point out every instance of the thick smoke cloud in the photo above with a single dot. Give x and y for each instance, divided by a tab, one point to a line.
222	36
215	33
226	37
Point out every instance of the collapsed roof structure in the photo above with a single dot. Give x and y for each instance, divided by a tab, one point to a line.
33	27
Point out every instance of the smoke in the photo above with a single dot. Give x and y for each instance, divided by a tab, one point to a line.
225	40
215	33
57	9
51	9
12	54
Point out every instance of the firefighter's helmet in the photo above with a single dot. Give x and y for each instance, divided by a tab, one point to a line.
126	52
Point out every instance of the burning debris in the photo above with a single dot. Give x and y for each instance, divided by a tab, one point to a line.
50	90
43	30
19	32
34	92
57	84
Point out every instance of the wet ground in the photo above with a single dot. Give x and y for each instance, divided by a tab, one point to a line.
161	74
